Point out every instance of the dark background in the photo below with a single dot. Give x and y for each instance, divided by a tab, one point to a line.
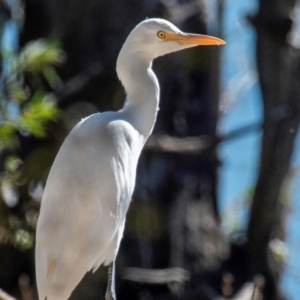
173	220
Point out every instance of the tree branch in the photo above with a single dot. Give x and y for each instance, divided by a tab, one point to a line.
77	83
198	145
158	276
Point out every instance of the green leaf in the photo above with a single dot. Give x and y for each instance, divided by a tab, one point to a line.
41	109
36	55
18	93
52	77
7	135
12	163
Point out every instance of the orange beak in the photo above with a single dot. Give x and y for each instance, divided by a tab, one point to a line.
193	39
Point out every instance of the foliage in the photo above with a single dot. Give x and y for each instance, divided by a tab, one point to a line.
27	106
27	85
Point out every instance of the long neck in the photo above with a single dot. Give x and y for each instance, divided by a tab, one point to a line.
142	90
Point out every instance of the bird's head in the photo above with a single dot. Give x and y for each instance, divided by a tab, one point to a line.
156	37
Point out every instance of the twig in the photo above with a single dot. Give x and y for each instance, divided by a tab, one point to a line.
25	288
188	145
159	276
259	282
79	82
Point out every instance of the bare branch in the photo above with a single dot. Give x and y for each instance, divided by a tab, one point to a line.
197	145
159	276
188	145
77	83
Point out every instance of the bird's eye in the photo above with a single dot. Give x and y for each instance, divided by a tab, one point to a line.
161	34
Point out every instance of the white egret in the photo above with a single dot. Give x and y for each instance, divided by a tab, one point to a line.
91	182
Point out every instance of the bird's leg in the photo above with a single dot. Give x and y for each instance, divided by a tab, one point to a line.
110	291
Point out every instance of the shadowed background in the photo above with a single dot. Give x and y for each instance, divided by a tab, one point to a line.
175	244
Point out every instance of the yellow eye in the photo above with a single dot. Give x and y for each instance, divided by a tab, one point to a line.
161	34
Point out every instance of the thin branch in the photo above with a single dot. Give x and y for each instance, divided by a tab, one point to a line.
187	145
25	287
259	283
198	145
77	83
159	276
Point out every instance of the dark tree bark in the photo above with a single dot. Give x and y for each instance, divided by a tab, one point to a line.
279	75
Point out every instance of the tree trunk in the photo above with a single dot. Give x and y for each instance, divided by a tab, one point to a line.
279	74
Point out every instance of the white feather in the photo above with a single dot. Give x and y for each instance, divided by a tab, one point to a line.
92	179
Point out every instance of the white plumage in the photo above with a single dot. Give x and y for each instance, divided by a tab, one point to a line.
92	179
